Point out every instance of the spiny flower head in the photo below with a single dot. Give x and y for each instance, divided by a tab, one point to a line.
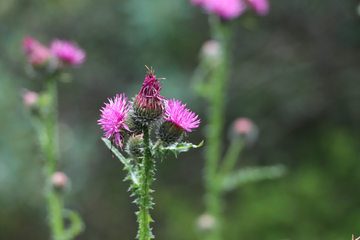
177	120
113	117
37	54
67	53
181	116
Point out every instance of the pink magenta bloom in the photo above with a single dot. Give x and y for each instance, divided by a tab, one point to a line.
243	125
261	7
113	117
67	52
37	54
181	116
226	9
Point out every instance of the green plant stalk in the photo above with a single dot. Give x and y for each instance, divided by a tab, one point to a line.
50	147
217	97
231	157
145	200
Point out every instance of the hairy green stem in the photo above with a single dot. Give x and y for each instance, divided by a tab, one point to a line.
231	157
217	98
145	200
50	148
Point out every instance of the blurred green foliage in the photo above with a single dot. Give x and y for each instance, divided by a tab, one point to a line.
295	73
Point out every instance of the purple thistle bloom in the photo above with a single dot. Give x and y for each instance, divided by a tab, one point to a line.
67	52
226	9
113	117
181	116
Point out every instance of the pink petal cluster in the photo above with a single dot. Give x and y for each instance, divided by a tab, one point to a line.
230	9
67	52
37	54
181	116
113	117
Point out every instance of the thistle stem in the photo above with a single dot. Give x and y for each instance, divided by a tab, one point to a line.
145	200
217	98
50	148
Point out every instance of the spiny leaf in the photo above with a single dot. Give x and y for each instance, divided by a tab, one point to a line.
252	174
122	159
182	147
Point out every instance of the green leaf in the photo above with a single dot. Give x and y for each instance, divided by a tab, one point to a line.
76	224
182	147
122	159
252	174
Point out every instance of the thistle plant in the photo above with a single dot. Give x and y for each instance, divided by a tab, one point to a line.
48	65
210	82
134	121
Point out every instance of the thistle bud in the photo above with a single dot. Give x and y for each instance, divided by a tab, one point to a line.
60	182
211	51
244	128
148	106
135	146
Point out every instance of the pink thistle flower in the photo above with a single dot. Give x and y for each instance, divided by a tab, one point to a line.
261	7
59	179
181	116
178	119
67	52
37	54
226	9
113	117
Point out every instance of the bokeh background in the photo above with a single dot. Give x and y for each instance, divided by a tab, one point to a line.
295	73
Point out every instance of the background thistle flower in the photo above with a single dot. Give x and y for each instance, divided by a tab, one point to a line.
113	117
148	106
178	119
67	53
36	53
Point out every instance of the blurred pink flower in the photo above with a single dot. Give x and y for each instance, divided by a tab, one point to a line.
226	9
67	52
181	116
113	117
230	9
261	7
59	179
30	98
243	125
37	54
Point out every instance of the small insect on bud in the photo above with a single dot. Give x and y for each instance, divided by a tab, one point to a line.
206	222
135	146
60	182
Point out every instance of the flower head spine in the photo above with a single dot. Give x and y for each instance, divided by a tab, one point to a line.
113	117
67	52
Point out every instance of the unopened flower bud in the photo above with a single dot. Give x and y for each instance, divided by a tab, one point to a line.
148	106
206	222
30	98
135	146
245	128
211	52
60	182
37	54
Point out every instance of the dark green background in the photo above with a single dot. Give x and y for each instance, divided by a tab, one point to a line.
295	72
